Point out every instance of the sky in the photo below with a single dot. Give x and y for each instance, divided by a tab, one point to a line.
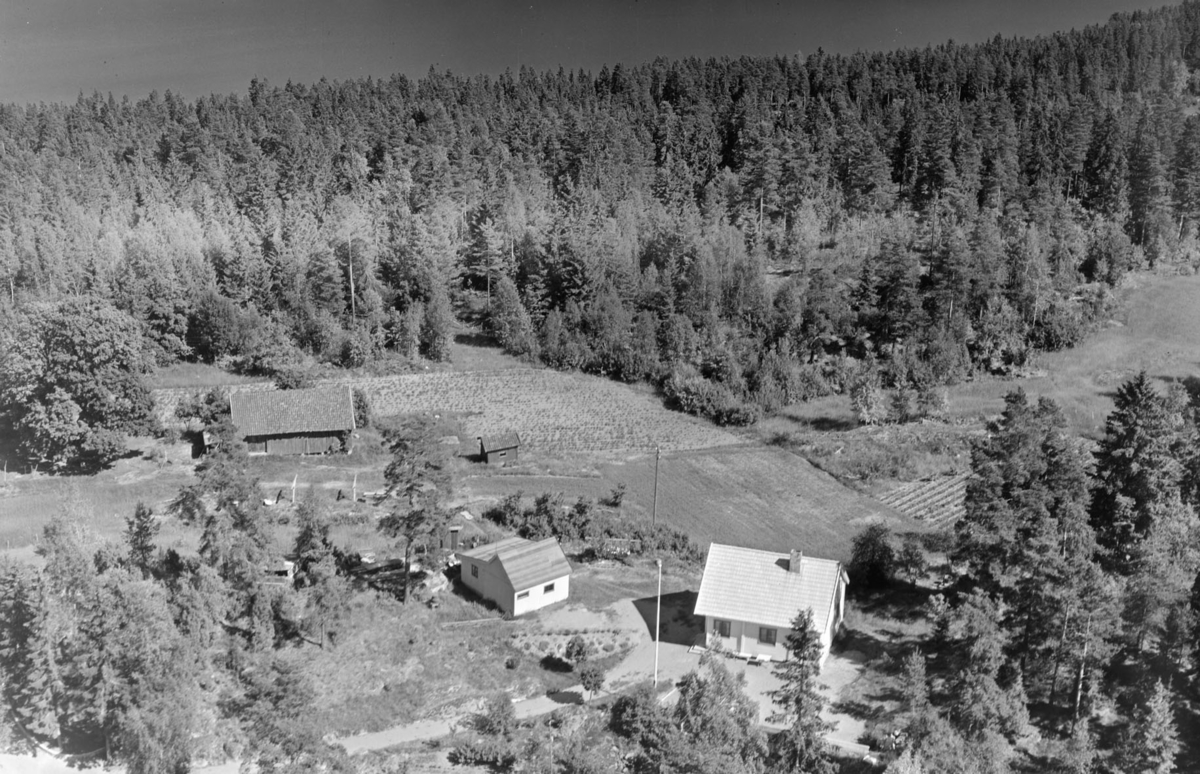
51	50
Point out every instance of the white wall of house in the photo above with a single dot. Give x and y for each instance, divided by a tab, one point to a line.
488	581
745	639
541	595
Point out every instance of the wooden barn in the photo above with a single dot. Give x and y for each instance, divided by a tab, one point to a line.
499	449
314	421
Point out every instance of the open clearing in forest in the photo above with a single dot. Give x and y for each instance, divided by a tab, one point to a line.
552	410
757	496
1158	332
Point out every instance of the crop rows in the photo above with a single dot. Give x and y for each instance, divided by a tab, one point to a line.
939	502
552	411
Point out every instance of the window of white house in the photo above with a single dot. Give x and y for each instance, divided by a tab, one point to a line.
766	636
721	628
548	588
522	595
474	571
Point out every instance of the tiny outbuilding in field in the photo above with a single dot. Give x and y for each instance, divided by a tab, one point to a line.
749	599
315	421
499	449
517	574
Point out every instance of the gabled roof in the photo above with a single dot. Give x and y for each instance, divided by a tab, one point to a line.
279	412
491	443
744	584
525	562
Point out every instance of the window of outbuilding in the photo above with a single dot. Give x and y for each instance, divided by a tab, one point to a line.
523	595
474	571
767	636
548	588
721	628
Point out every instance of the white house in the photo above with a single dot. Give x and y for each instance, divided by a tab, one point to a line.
749	598
517	574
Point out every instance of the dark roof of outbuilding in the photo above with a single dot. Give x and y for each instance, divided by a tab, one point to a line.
280	412
491	443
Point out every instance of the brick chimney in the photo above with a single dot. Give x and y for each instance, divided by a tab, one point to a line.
795	560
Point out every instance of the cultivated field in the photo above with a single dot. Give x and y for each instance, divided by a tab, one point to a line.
553	411
938	502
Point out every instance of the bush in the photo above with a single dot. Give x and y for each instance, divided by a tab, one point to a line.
872	559
355	351
362	409
911	562
686	390
475	750
591	677
577	651
294	378
498	717
206	408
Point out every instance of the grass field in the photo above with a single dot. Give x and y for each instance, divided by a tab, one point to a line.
757	496
1159	332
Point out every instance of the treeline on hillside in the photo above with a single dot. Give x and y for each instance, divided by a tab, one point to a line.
926	212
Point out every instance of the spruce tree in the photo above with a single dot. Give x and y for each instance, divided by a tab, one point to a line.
1136	470
802	746
1153	742
30	675
140	530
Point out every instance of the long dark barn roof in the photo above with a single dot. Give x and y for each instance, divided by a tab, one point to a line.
282	412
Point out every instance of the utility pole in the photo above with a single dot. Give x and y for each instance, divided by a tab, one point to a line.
350	261
654	507
657	620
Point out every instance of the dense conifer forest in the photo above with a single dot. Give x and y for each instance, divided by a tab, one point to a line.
744	234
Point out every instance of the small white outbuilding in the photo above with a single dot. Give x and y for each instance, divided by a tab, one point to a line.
517	574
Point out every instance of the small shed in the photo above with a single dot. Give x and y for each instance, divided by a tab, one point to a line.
517	574
311	421
499	449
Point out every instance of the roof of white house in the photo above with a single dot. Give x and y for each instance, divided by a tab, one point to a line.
525	562
744	584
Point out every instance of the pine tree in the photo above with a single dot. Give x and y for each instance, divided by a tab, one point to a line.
419	481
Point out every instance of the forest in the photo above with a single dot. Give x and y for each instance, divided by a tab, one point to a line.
743	233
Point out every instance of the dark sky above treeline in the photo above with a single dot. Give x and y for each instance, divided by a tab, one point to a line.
50	50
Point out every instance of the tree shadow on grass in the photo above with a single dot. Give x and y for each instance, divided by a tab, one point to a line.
565	697
679	625
552	663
